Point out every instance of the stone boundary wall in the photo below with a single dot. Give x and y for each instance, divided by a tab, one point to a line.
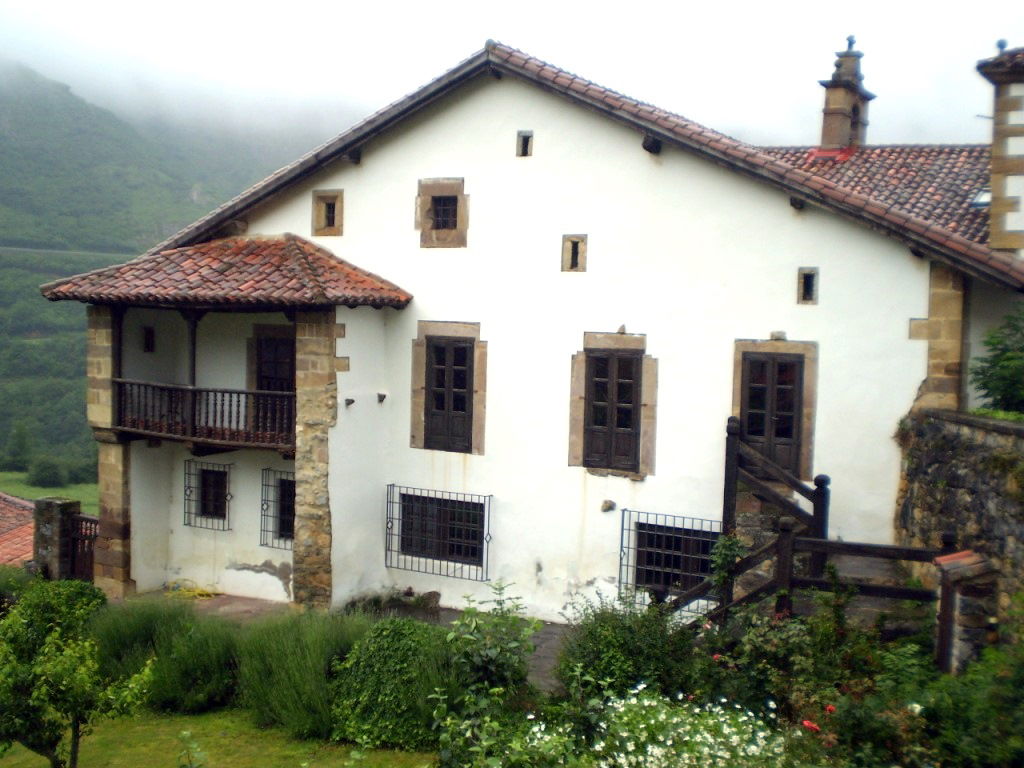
964	474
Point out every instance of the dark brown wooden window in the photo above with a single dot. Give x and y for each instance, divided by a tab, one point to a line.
770	409
448	424
445	211
213	493
207	494
442	528
611	438
277	509
275	363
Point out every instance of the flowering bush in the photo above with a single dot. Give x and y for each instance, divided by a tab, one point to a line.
649	731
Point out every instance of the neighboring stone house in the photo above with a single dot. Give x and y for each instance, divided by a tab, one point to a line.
599	284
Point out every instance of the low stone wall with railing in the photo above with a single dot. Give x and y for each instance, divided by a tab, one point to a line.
964	474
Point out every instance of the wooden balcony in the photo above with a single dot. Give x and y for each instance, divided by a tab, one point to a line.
200	415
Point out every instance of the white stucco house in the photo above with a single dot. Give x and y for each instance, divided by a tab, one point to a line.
561	296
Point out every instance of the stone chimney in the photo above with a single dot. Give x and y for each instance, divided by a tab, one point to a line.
845	120
1006	211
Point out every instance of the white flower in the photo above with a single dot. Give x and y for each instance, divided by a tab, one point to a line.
915	708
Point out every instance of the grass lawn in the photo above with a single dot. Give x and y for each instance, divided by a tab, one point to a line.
15	484
227	737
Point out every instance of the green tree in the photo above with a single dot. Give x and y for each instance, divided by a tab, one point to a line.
19	449
999	375
51	691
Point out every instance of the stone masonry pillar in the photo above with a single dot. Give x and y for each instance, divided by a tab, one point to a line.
112	552
943	330
316	396
49	540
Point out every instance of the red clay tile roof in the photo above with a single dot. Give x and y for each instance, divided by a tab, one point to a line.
16	529
285	271
929	237
935	183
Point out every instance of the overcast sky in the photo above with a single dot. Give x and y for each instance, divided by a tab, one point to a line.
750	69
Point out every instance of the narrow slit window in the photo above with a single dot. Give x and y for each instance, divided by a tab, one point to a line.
807	285
446	211
327	212
148	339
574	253
524	143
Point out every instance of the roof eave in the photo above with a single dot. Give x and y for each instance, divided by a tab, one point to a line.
329	152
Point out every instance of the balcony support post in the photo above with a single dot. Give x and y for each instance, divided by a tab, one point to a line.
192	318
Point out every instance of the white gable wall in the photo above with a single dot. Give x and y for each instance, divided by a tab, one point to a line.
692	255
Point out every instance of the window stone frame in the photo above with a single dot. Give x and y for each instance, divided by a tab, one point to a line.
648	402
456	330
427	190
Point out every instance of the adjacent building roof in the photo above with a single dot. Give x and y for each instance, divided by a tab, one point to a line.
935	183
17	528
285	271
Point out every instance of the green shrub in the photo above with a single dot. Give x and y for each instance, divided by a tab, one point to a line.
196	667
46	472
285	668
491	647
51	606
128	634
617	644
13	581
999	374
977	718
381	691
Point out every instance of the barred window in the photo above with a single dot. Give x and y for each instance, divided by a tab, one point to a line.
277	509
438	532
664	554
207	495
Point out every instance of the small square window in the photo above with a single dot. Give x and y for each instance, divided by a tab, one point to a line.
327	212
807	285
207	495
277	509
524	143
574	253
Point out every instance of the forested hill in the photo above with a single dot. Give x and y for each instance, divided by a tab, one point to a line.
76	176
73	178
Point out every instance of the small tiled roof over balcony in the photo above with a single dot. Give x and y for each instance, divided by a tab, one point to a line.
249	272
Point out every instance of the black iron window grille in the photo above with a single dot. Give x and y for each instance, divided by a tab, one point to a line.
438	532
446	211
207	495
665	555
277	509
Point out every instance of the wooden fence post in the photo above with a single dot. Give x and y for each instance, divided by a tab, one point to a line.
821	500
732	440
784	566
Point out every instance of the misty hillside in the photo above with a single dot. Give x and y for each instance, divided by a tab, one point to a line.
75	176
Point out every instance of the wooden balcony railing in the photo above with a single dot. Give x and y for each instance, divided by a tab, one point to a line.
230	417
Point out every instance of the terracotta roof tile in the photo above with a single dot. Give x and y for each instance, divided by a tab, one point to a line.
933	183
16	529
283	271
